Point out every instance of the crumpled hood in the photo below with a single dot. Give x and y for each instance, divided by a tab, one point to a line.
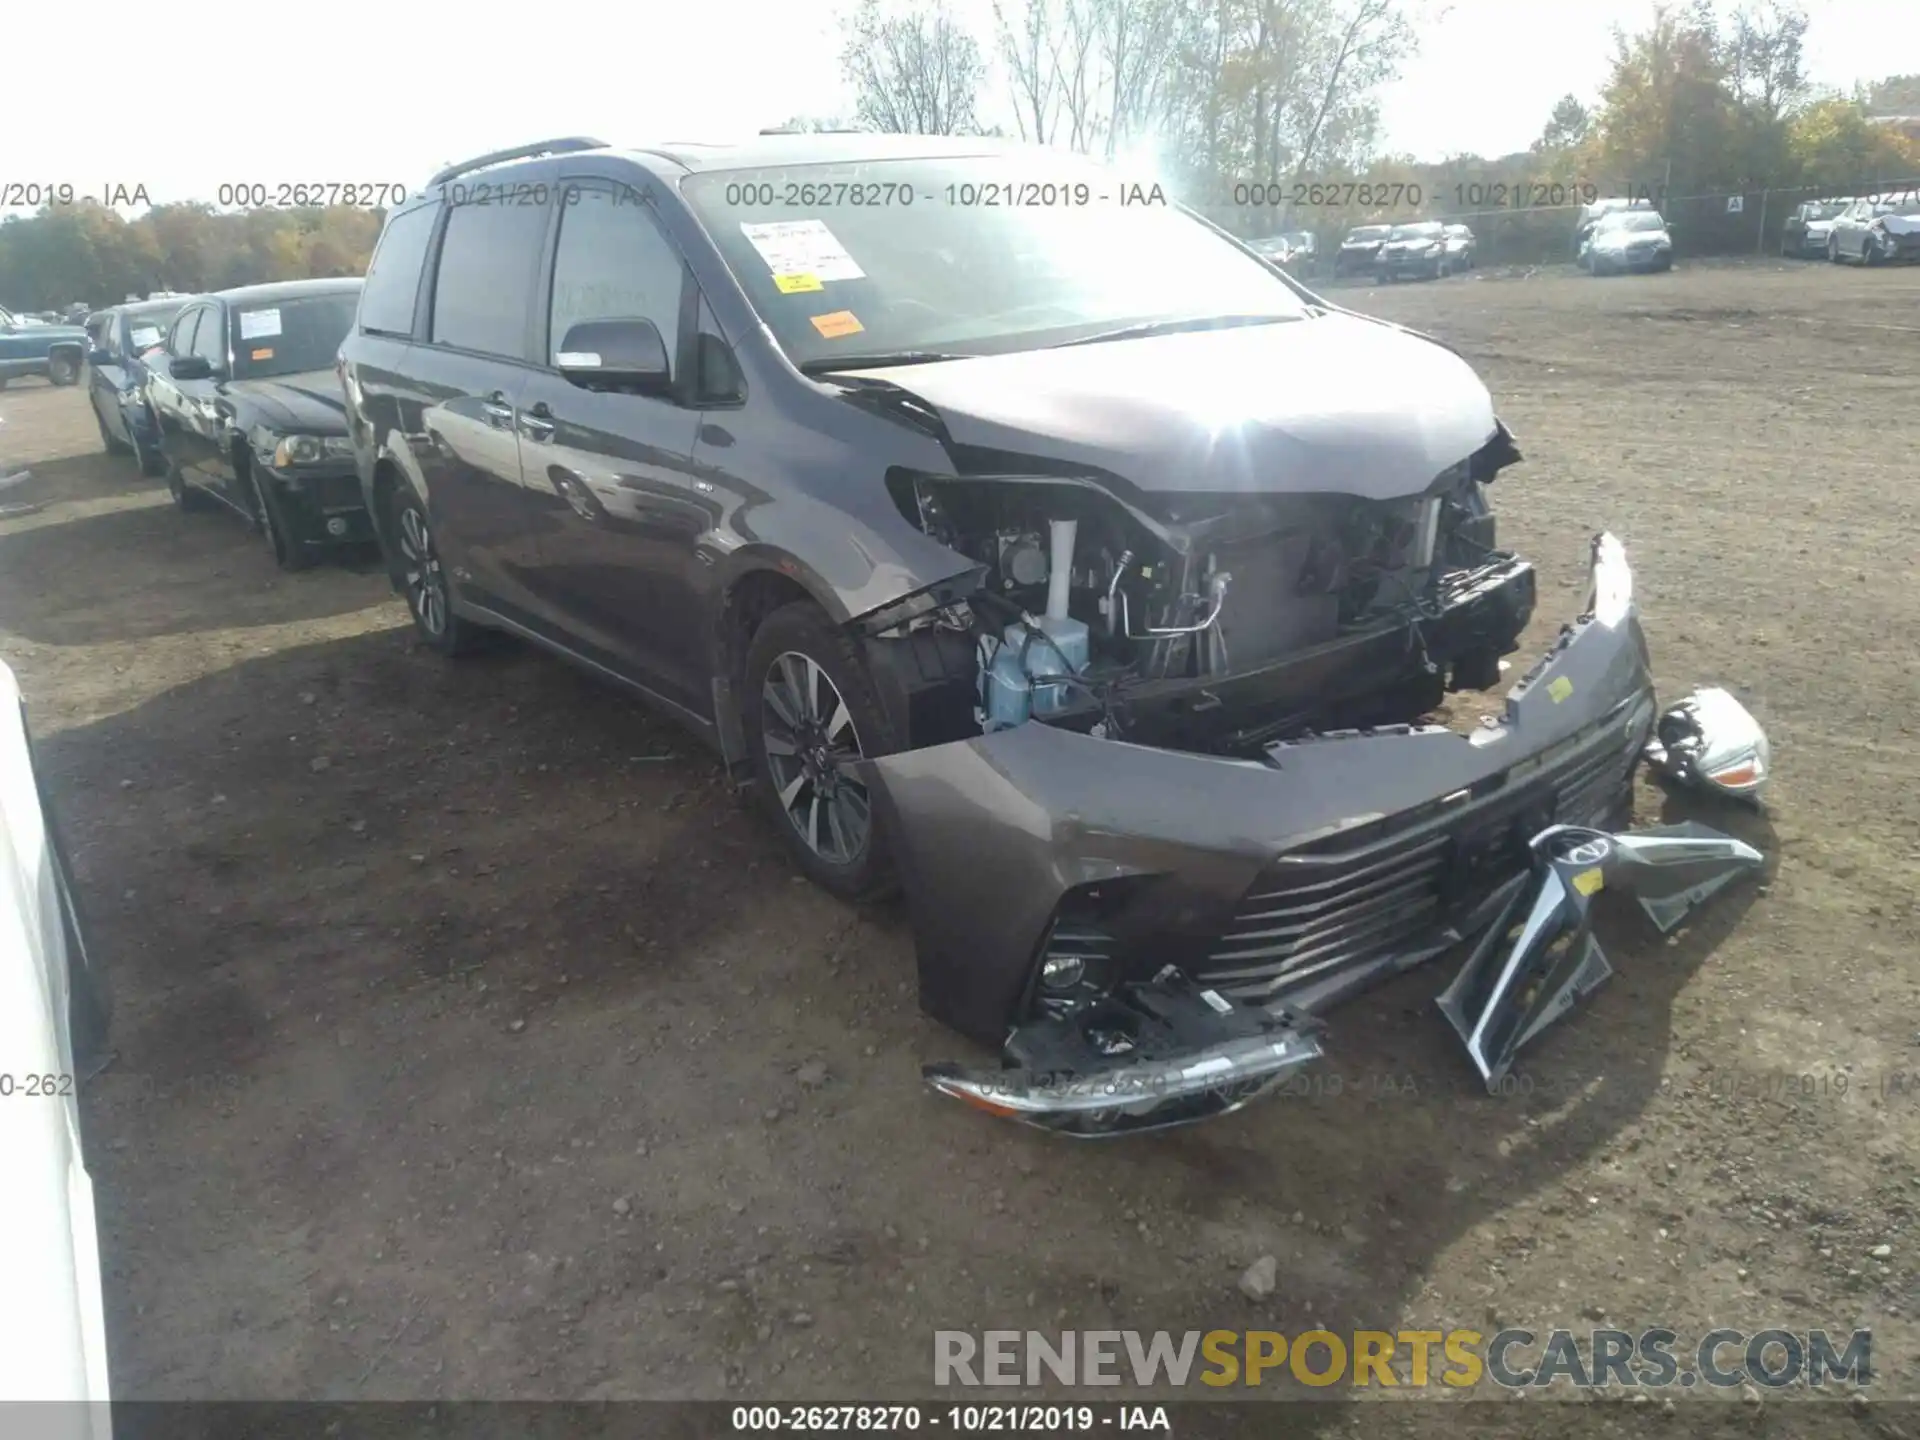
310	403
1335	404
1900	224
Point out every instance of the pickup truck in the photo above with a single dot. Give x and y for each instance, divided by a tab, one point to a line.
29	347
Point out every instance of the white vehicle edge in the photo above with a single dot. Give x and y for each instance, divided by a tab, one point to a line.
53	1344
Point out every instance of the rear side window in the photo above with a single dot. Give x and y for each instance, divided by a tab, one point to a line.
484	283
393	280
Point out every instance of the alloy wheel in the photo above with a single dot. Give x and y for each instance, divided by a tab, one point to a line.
420	569
811	746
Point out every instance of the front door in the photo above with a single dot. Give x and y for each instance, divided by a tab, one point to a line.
609	472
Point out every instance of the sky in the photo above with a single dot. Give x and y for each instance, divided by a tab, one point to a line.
384	94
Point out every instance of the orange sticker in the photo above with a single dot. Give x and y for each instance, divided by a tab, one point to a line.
262	355
840	322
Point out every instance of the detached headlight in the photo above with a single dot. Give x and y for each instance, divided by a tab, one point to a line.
1612	591
311	450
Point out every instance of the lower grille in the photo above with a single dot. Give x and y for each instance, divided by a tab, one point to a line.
1351	902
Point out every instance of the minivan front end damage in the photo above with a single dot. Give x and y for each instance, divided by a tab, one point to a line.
1148	924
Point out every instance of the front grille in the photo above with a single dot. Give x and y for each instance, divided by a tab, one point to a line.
1350	902
335	492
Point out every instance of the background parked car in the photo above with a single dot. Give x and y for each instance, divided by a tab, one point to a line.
1594	212
1359	251
1463	251
1628	240
1414	252
1293	249
53	1344
1875	230
117	371
251	413
1805	233
31	347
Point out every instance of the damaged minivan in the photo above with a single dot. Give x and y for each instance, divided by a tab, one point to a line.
1035	549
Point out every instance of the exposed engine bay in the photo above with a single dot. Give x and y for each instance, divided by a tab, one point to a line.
1220	624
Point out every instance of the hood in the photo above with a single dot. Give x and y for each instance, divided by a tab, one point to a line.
1819	226
43	331
1900	224
311	403
1336	404
1361	244
1626	239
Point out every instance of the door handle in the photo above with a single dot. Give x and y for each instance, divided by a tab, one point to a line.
496	408
537	423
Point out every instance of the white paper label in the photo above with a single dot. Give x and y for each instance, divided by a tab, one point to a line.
144	337
802	247
1218	1001
259	324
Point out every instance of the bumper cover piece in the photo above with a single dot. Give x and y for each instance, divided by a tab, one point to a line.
1149	1056
1538	957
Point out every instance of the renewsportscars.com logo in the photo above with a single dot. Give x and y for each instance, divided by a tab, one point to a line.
1512	1359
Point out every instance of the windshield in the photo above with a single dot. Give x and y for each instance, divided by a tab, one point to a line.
1369	232
1908	205
975	255
1822	209
286	337
1633	220
1423	231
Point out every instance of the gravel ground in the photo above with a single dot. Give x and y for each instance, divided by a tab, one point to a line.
473	1041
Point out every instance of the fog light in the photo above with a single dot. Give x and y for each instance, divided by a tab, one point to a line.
1060	973
336	526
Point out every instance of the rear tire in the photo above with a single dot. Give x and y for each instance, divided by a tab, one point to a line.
422	580
809	709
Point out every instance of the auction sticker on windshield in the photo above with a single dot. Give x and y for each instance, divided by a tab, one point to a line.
259	324
840	322
800	248
796	284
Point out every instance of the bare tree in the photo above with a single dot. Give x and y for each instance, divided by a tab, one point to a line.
913	72
1766	59
1030	49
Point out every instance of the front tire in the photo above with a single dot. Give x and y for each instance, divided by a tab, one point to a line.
422	580
1833	250
186	498
113	446
810	712
62	369
271	521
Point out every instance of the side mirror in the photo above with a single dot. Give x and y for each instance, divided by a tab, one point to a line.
190	367
97	358
614	354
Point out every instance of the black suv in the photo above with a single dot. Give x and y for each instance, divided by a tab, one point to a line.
1027	538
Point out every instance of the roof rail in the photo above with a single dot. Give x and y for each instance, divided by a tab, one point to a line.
565	146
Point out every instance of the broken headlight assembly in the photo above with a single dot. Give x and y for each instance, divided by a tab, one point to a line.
1711	742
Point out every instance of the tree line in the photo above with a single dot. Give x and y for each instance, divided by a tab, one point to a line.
1218	94
89	253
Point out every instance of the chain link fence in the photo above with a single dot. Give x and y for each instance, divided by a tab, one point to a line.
1725	223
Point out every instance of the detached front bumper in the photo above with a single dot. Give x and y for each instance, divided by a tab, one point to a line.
1050	874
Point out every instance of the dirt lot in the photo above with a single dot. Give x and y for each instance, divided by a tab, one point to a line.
466	1027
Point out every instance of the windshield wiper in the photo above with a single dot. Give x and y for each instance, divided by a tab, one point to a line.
1174	327
828	364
